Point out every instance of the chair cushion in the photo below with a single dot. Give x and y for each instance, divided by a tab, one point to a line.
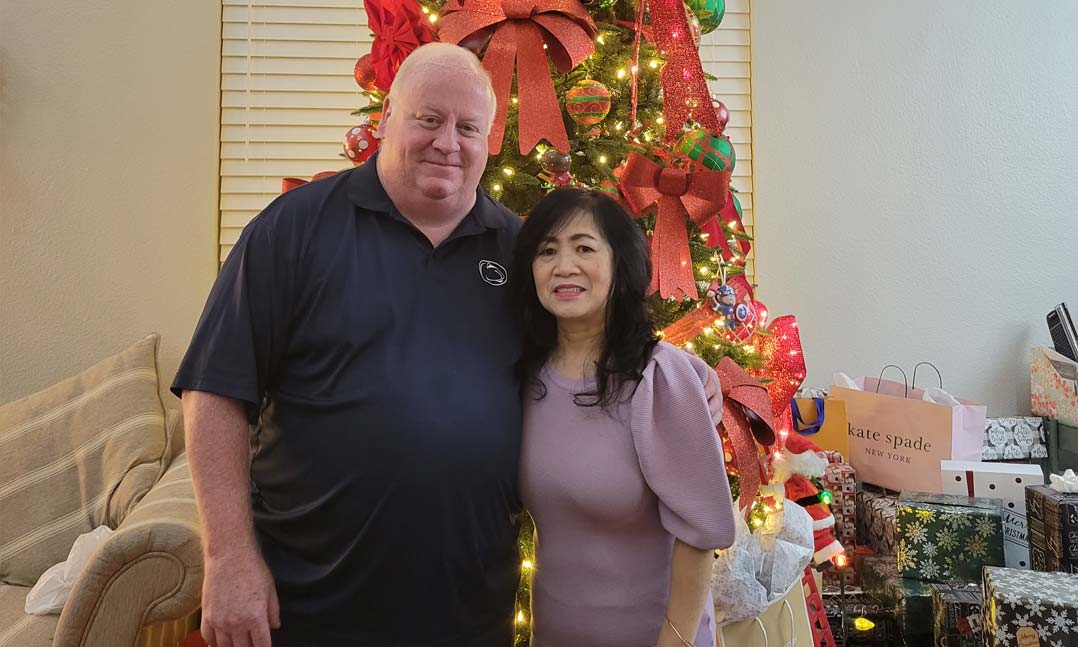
78	455
20	628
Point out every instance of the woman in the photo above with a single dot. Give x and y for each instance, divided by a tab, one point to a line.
621	467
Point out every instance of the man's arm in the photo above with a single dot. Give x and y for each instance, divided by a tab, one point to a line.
239	599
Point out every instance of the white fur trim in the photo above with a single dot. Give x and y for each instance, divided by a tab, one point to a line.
826	522
809	463
827	552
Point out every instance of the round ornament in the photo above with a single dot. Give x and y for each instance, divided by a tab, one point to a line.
587	102
555	162
364	73
694	26
709	12
360	144
712	152
722	113
562	179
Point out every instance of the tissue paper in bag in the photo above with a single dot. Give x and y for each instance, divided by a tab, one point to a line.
734	587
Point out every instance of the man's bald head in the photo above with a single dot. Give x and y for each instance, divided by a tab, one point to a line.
439	60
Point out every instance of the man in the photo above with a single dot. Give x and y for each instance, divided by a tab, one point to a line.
361	322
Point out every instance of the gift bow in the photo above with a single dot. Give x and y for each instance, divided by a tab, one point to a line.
289	183
698	194
784	366
746	417
1068	482
521	28
398	29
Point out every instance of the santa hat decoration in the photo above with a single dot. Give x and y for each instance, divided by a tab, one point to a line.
799	456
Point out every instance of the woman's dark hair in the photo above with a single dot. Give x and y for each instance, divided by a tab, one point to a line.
628	337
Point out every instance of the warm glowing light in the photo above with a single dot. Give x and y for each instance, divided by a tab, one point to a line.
527	564
520	617
863	624
841	560
508	171
426	10
659	120
621	73
515	100
757	522
688	345
703	270
602	159
634	69
653	64
433	18
496	187
600	40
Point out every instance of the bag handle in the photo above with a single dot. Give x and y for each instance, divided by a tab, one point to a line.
793	632
762	628
905	382
919	364
800	426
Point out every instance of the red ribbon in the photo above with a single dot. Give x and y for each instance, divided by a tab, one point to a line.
746	417
697	194
399	28
784	364
716	230
289	183
685	93
522	27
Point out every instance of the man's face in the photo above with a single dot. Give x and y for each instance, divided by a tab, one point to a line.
434	135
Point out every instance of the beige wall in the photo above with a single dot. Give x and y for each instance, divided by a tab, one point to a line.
108	180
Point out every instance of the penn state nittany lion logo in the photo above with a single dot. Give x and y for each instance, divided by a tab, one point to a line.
492	272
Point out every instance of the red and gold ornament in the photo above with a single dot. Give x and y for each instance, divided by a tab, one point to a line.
521	29
588	102
360	143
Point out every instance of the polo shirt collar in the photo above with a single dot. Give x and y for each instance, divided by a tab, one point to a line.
366	191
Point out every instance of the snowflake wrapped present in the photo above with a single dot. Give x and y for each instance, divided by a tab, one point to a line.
943	537
1030	608
956	614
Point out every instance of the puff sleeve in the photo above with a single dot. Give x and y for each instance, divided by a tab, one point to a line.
680	452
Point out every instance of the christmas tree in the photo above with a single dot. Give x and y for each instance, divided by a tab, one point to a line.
611	95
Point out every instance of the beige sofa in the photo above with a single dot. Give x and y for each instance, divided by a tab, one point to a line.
99	449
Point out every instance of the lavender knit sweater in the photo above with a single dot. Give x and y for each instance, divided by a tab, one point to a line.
609	493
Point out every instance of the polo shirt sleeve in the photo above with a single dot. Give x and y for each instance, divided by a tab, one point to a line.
680	452
240	341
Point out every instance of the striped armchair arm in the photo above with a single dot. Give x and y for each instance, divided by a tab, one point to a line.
149	571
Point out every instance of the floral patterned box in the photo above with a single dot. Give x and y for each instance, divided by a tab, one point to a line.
942	537
1053	386
1030	608
1014	439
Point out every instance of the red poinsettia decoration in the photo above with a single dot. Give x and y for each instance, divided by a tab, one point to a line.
399	29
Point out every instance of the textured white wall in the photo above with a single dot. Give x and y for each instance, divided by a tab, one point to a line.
108	181
916	189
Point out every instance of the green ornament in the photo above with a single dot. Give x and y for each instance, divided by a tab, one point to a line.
709	12
713	152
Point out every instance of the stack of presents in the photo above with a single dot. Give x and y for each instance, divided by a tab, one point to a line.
960	530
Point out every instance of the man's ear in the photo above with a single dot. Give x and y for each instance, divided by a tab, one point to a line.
387	108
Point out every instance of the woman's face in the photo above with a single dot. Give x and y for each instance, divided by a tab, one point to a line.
573	270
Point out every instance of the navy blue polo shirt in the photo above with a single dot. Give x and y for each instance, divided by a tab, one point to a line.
379	372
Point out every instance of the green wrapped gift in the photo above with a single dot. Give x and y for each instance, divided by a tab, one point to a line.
910	599
945	537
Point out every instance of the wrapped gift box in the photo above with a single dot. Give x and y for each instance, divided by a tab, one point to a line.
1053	386
1053	529
875	518
956	614
910	599
1030	608
1008	483
840	480
942	537
1014	438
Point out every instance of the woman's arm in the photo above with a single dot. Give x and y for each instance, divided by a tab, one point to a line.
690	579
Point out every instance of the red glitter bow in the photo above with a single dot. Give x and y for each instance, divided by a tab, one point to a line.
784	365
522	27
698	194
716	230
746	418
289	183
685	93
399	28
